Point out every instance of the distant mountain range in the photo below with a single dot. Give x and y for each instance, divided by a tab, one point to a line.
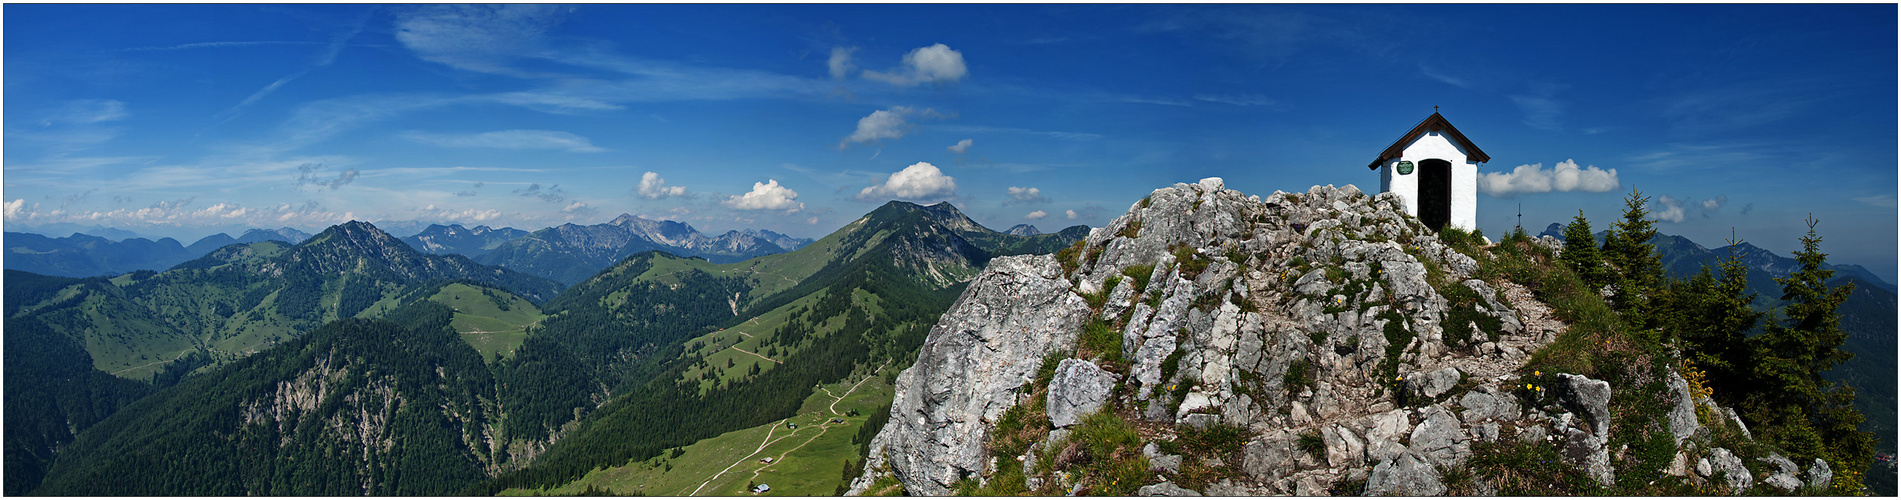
439	239
358	405
233	302
82	255
570	253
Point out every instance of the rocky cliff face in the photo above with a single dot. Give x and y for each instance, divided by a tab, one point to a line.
1345	347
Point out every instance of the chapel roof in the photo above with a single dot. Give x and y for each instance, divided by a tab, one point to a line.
1432	123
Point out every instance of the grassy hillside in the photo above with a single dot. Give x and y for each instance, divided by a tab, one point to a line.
807	461
493	321
743	343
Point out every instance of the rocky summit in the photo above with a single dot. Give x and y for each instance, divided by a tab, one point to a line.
1300	344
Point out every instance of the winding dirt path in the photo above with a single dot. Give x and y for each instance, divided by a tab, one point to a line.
835	399
762	447
736	348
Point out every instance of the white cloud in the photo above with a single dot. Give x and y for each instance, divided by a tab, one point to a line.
934	64
1025	196
509	139
1566	176
1710	205
919	182
1672	209
961	147
15	208
767	195
482	38
811	220
883	124
1070	213
840	63
653	187
1037	215
575	206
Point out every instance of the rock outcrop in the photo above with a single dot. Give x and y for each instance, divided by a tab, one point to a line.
981	353
1348	343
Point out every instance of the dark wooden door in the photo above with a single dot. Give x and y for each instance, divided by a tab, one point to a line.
1435	193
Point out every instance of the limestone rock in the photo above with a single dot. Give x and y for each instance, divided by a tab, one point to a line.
1487	404
1165	489
1586	438
1170	463
1726	464
1432	384
1410	475
1682	417
1440	439
1383	433
984	348
1271	456
1820	475
1784	475
1078	389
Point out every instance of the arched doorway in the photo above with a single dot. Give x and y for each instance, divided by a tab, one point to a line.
1435	193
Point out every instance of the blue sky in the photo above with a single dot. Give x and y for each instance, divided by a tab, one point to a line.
187	120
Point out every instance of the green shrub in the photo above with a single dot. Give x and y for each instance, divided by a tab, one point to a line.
1099	339
1141	275
1067	257
1131	229
1313	445
1296	376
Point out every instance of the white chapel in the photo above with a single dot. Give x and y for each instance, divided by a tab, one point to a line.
1436	170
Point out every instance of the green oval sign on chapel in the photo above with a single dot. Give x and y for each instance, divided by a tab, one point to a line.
1405	168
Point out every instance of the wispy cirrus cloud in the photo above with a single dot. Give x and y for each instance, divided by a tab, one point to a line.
509	139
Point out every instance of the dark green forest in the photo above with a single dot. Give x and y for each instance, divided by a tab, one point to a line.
357	407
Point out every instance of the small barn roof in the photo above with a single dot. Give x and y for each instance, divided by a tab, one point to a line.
1432	123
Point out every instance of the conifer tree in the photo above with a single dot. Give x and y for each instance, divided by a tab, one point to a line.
1713	319
1580	253
1639	268
1803	412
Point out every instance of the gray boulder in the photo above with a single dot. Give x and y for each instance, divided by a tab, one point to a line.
1682	417
1440	439
1410	475
973	363
1585	438
1078	389
1487	404
1432	384
1270	456
1726	464
1820	475
1784	475
1165	489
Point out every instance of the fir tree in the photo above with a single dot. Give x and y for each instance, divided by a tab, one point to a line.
1639	268
1801	411
1580	253
1713	319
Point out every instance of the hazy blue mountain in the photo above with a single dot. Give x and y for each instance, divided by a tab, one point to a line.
1023	230
569	253
455	239
82	255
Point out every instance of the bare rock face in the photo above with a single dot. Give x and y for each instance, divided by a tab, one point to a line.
1294	317
1586	439
987	346
1784	475
1726	464
1820	475
1410	475
1078	389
